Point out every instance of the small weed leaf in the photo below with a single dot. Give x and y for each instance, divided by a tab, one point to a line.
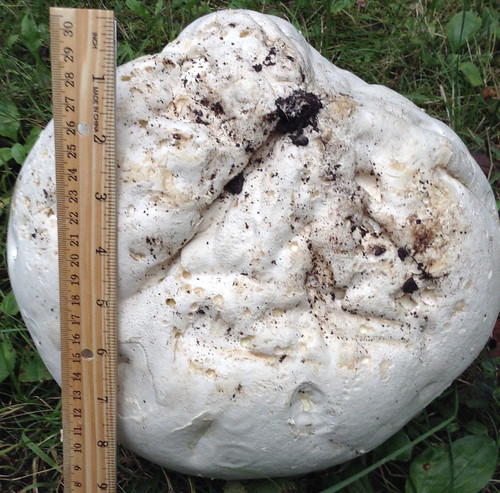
491	23
240	4
5	155
397	442
8	305
362	485
7	359
159	7
9	119
338	5
271	486
234	487
474	462
471	73
476	428
261	486
430	472
140	9
462	27
30	36
4	202
466	467
11	41
32	138
496	392
33	370
18	153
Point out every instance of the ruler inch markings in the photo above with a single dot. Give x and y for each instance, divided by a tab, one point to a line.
83	73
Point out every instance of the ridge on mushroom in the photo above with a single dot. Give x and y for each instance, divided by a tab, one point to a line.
305	260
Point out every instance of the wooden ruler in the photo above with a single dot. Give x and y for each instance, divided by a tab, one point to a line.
83	73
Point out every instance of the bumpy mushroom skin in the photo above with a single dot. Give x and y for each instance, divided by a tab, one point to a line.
305	260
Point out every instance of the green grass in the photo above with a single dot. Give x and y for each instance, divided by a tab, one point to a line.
412	47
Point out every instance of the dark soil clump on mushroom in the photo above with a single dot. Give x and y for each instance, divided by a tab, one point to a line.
297	112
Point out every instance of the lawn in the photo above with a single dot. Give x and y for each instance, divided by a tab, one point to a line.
444	55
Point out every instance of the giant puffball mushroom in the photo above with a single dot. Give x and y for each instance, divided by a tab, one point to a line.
305	260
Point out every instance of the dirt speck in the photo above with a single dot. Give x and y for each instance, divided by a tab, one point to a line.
297	111
410	286
235	186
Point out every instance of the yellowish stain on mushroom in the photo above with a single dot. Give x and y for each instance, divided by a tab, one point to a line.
343	106
305	402
130	210
339	293
347	360
246	341
365	330
385	367
219	300
179	106
137	256
459	306
368	182
168	182
134	90
407	302
397	165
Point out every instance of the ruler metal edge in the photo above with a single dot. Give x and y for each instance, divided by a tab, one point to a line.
83	59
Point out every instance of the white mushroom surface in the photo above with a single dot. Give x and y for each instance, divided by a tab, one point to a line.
305	260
